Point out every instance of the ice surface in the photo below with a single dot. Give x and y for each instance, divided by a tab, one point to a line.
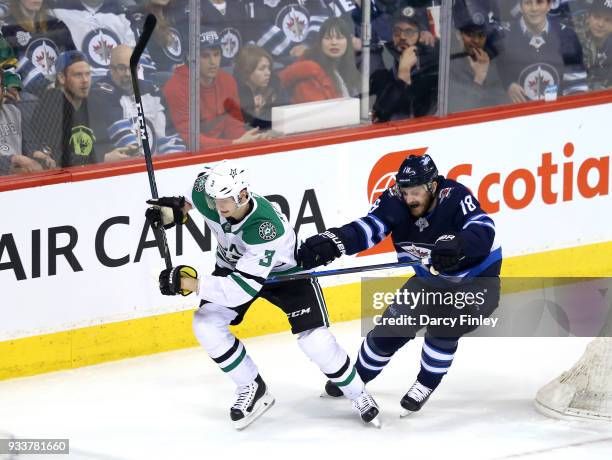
176	406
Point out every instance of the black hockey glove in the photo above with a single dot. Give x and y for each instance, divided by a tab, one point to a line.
447	253
166	211
170	279
320	249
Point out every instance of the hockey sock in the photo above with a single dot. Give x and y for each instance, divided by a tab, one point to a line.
211	329
237	364
436	359
321	347
375	353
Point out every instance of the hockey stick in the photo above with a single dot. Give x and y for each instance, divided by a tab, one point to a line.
346	271
147	30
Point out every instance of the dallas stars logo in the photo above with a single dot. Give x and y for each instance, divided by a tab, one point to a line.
267	231
233	173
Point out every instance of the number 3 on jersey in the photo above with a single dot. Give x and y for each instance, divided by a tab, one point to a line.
467	205
267	260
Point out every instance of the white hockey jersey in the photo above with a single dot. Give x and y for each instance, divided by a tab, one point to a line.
96	31
261	244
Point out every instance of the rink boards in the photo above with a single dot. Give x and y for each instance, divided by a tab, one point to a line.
78	265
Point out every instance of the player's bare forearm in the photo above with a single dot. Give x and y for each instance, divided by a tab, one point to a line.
191	284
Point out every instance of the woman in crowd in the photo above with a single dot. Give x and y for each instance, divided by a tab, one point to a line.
37	39
165	47
258	86
328	70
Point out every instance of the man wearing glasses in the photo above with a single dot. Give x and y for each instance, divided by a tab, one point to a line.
115	115
407	85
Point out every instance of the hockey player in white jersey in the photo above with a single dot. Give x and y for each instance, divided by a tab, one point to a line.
254	241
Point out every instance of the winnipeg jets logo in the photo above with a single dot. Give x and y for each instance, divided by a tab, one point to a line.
43	54
537	42
416	252
294	22
536	78
230	42
173	49
267	231
421	223
98	45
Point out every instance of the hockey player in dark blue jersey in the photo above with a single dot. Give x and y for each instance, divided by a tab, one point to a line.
426	215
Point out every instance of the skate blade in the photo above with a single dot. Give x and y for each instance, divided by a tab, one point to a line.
406	413
265	403
375	422
325	395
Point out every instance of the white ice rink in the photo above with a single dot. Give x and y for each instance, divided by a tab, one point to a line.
176	406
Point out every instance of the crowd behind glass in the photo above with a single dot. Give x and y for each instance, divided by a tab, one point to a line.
67	96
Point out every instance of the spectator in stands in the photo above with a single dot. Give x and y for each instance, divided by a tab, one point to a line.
285	29
165	48
96	26
221	121
560	10
61	124
228	18
115	119
16	154
37	39
594	29
258	86
408	84
541	55
474	78
328	70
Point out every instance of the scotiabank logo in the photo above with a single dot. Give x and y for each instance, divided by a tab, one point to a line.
557	178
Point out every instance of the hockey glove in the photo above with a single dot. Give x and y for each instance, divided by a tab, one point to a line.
447	253
170	279
320	249
166	211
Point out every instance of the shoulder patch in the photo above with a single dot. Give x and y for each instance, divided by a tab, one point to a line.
444	193
267	231
200	183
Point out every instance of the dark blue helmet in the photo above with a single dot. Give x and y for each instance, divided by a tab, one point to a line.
416	170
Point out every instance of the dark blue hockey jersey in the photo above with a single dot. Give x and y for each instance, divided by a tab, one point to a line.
457	210
278	26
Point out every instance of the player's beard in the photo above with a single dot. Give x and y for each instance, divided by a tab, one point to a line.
419	209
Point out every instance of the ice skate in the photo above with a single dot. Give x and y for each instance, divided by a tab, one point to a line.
253	400
416	397
331	390
367	408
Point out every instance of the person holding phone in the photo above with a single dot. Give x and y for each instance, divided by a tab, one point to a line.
474	78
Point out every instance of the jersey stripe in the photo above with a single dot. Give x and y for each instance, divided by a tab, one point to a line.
245	287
